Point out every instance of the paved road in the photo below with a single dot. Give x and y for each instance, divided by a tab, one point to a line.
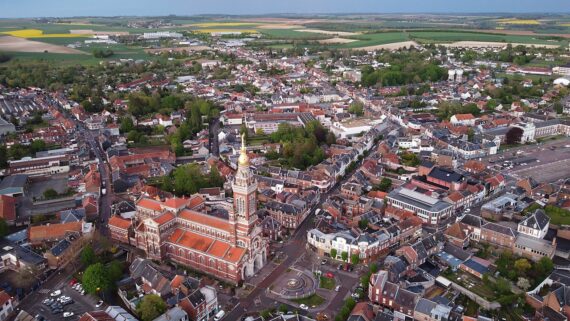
105	200
214	143
291	249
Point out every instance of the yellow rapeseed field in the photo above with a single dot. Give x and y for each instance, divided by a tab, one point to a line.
566	24
222	24
519	21
36	33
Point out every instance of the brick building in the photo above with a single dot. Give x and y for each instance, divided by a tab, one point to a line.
230	249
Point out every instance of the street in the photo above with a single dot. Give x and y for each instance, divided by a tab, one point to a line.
292	250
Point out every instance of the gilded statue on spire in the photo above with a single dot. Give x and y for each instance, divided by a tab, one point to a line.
243	159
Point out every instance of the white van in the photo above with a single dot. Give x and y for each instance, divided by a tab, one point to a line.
219	315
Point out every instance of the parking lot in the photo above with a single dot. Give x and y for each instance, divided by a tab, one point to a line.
544	162
80	305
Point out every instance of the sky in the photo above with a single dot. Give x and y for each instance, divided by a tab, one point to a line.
67	8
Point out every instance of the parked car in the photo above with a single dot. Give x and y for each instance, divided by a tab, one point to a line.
304	307
68	314
337	288
324	261
329	275
56	293
339	267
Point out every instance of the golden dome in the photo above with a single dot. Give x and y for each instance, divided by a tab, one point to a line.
243	159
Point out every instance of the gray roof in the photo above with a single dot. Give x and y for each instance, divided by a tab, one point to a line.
425	306
13	184
446	175
534	243
174	314
499	229
419	200
538	220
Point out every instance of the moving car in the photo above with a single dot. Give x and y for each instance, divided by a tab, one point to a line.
304	307
99	304
68	314
56	293
219	315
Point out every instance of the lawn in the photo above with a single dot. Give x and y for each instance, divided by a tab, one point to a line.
327	283
558	216
311	301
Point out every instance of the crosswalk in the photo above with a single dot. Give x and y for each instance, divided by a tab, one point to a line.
44	291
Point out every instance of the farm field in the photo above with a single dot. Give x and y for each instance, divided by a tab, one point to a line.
374	39
16	44
292	34
454	36
37	33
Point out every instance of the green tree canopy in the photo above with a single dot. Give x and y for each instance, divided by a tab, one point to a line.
96	278
87	255
151	307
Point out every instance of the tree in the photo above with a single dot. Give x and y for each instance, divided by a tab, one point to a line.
384	186
3	227
26	277
344	256
523	283
259	131
544	266
503	286
151	307
356	108
283	308
373	268
514	136
96	278
363	223
50	193
87	256
333	253
558	108
127	125
115	270
522	265
354	259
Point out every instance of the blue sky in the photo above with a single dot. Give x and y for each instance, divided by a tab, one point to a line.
63	8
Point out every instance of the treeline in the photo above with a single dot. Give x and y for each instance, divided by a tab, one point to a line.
4	57
301	146
405	68
103	53
189	179
447	109
18	151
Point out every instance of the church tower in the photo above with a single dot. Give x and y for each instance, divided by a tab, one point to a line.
244	188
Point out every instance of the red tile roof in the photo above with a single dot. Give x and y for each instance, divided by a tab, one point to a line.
205	219
164	218
52	231
119	222
207	245
149	204
176	202
4	297
7	208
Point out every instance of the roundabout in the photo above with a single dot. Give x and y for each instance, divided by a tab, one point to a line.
294	284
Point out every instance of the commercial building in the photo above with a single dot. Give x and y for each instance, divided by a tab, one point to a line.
430	209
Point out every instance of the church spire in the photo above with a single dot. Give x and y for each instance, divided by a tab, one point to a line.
243	158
